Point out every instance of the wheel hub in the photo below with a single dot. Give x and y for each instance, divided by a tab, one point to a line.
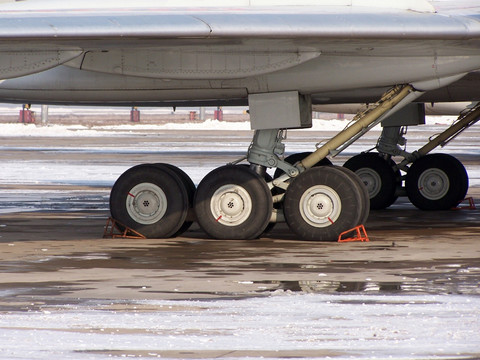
146	203
231	205
371	179
433	184
320	206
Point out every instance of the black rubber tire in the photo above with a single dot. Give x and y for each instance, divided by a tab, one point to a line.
361	188
384	193
294	158
190	187
250	193
274	191
334	193
398	180
464	181
443	169
125	209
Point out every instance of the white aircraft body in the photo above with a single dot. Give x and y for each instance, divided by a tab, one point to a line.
434	109
279	59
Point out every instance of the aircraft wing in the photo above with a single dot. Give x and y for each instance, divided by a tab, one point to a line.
219	43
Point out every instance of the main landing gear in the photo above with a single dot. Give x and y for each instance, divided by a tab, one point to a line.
234	202
432	181
318	201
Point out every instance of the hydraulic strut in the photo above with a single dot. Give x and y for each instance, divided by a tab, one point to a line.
363	122
463	122
391	101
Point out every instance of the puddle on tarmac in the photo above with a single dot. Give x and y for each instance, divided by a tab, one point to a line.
53	200
433	286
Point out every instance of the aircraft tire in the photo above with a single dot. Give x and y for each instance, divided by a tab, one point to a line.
362	189
322	202
151	199
436	182
274	191
294	158
233	202
190	187
378	176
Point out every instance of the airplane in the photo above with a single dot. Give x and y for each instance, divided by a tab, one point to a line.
275	57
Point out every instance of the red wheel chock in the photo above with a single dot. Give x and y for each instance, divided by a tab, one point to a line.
115	229
358	233
470	206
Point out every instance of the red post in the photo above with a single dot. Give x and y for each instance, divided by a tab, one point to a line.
218	114
135	115
26	116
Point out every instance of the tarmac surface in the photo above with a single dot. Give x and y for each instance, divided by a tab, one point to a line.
54	261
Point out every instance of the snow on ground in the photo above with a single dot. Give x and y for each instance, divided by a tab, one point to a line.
103	174
80	130
350	326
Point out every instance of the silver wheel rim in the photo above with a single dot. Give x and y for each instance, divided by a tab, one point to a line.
231	205
433	184
371	179
320	206
146	203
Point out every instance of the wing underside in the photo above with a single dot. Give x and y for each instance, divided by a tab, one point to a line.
211	44
172	54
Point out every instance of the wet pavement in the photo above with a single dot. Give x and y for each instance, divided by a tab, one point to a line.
411	292
69	259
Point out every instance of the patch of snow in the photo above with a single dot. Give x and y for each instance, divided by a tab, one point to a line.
362	326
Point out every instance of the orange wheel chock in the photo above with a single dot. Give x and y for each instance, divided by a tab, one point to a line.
358	233
115	230
470	206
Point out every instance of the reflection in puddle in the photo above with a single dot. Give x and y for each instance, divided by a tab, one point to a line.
411	287
53	200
